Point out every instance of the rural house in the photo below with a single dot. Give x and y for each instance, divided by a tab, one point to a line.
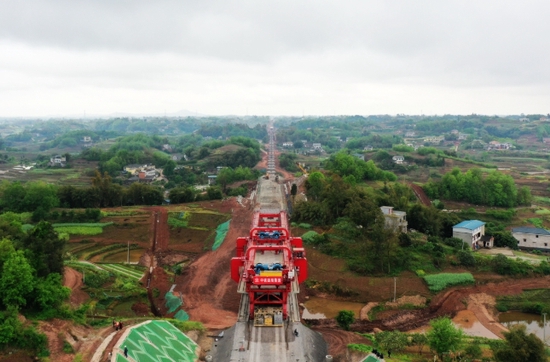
398	159
134	168
472	232
532	238
58	160
395	220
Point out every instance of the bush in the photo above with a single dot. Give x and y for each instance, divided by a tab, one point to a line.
67	348
345	318
358	347
309	237
466	258
454	242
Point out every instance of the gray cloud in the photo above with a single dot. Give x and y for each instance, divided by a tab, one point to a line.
275	57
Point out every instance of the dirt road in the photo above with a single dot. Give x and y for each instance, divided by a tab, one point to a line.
73	280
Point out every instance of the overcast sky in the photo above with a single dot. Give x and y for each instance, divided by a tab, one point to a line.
257	57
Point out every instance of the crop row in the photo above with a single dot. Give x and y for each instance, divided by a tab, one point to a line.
438	282
85	224
80	230
119	269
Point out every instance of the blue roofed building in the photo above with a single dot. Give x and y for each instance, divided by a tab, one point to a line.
472	232
532	238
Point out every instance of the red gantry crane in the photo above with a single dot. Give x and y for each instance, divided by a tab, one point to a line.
269	265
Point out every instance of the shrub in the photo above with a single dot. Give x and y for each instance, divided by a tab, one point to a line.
309	237
67	348
454	242
358	347
466	258
345	318
420	273
438	282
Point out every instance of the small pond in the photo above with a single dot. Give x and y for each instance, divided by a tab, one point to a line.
532	322
320	308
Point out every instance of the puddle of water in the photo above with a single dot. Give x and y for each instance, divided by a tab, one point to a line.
532	322
468	322
320	308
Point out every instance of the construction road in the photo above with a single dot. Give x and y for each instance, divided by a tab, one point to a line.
246	343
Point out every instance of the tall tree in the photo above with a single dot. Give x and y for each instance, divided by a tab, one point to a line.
44	249
444	336
520	347
16	281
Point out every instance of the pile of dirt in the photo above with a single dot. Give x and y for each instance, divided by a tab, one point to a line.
414	300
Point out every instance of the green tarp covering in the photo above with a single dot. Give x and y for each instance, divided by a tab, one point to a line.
221	232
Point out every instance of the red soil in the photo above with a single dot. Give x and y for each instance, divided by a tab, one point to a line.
73	280
209	294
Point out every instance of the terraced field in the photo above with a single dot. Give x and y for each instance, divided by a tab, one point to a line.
123	270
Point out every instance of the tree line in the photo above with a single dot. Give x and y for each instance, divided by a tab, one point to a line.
495	189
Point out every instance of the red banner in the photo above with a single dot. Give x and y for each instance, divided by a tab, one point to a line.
268	280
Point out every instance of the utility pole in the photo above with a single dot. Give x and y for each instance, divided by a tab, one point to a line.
544	328
128	252
394	288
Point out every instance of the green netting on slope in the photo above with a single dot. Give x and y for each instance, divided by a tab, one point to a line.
172	302
371	358
181	315
221	231
158	341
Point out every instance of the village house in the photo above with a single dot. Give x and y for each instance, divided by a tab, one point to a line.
166	147
524	119
495	145
532	238
212	179
58	161
288	144
398	159
134	168
316	146
433	139
368	148
176	157
410	134
86	139
472	232
395	220
359	156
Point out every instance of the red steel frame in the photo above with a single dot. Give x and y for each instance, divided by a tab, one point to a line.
269	290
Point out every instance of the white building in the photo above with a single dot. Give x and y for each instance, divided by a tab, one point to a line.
395	220
532	238
398	159
472	232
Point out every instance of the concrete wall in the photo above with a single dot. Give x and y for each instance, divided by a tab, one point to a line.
532	241
469	236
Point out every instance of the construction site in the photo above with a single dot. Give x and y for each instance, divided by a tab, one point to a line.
267	269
